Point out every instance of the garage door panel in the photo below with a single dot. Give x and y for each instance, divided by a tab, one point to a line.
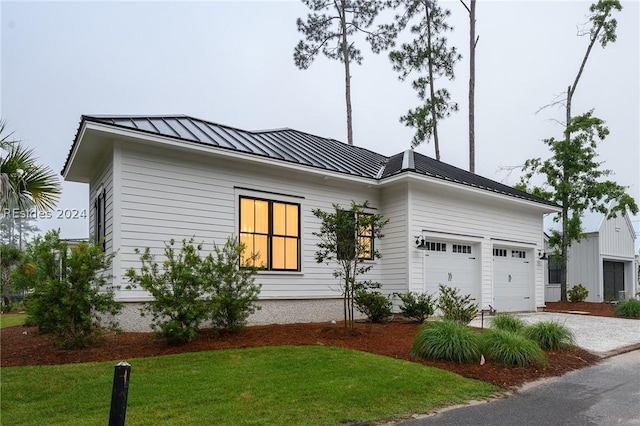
512	280
453	265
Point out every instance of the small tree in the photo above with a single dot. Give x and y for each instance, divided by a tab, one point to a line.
70	293
346	241
234	293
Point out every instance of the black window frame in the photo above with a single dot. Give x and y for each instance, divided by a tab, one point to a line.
554	267
346	243
271	235
99	220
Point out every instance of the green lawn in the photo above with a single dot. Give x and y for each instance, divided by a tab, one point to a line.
284	385
9	320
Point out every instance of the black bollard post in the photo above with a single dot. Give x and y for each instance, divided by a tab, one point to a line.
121	376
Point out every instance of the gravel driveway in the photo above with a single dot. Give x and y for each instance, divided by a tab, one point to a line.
595	334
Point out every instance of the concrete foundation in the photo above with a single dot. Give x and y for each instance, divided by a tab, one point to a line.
271	312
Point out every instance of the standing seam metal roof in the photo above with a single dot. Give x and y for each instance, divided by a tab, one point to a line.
298	147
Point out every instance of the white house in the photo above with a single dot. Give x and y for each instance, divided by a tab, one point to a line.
604	261
152	179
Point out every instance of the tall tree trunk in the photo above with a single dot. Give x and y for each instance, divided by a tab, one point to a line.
347	70
564	249
434	117
472	85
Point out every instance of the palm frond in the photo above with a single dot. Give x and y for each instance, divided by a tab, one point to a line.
24	184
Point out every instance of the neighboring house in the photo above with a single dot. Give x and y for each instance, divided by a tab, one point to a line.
152	179
604	261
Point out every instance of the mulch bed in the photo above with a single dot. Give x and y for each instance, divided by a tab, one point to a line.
20	346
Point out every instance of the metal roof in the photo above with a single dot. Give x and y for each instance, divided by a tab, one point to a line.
302	148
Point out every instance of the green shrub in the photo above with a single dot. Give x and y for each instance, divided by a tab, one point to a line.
550	335
178	287
508	322
510	348
373	304
188	289
448	340
456	307
70	291
234	293
417	306
577	293
630	308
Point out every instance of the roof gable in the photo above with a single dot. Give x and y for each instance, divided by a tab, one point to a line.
300	148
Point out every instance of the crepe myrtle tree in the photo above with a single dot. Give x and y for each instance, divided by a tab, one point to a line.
347	241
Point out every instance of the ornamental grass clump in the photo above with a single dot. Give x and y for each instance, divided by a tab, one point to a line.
506	347
630	308
508	322
550	335
447	340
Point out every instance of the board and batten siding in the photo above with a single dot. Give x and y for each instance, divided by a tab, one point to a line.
484	221
585	267
616	238
175	195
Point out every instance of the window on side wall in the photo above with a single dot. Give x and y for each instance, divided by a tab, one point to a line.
554	270
356	228
271	230
99	222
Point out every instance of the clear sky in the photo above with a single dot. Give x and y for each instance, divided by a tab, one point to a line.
232	63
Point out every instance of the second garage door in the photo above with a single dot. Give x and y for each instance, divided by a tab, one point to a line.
511	280
452	264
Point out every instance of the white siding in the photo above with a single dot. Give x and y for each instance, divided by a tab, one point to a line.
103	179
616	238
585	267
396	241
479	219
167	195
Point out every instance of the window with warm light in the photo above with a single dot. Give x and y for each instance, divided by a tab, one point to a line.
355	228
270	230
365	236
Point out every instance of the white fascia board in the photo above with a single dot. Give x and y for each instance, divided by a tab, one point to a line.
219	152
462	187
76	146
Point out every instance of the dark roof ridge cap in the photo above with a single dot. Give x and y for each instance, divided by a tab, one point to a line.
408	160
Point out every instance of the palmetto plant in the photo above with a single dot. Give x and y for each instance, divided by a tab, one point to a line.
24	184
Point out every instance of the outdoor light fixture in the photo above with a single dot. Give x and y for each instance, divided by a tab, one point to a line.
542	255
420	244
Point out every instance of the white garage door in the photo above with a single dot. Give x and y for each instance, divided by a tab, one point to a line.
452	264
512	285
